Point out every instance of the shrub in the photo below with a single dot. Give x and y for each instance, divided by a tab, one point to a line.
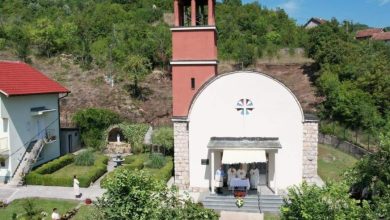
92	123
165	173
329	202
41	176
135	133
2	43
155	161
136	195
163	137
85	158
55	165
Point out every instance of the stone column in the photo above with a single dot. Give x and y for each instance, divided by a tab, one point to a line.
310	150
181	154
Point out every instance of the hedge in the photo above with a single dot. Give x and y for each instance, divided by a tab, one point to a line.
165	173
137	163
41	176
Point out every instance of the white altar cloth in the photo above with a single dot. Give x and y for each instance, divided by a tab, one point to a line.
237	182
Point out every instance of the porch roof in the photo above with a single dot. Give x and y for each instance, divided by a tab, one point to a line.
264	143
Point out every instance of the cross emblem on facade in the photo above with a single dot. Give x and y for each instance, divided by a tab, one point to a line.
244	106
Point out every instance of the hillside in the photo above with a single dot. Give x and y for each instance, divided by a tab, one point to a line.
89	88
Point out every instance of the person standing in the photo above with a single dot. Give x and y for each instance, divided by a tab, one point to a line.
76	187
55	215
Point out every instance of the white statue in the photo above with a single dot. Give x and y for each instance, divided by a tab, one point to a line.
118	138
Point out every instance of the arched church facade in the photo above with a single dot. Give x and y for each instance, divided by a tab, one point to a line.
245	117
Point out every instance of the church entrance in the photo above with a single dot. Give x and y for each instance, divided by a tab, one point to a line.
242	164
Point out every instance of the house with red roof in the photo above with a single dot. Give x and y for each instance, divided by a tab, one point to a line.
383	36
29	119
368	33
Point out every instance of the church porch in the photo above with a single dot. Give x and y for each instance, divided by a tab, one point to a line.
254	157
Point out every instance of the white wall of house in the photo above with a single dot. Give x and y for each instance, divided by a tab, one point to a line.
276	113
24	127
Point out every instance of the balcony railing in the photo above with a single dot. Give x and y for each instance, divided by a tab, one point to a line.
50	136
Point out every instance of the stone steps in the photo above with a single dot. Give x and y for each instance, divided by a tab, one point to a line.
268	203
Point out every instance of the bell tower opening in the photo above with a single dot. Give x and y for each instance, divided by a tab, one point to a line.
194	51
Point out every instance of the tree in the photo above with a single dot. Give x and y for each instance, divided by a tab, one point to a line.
135	68
20	41
370	178
136	195
329	202
163	137
92	122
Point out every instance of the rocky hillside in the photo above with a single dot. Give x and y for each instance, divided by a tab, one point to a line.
90	89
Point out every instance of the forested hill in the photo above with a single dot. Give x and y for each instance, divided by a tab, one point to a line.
85	44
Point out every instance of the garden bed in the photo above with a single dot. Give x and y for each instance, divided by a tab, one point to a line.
19	206
60	172
137	162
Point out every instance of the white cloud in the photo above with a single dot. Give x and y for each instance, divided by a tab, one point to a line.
292	6
383	2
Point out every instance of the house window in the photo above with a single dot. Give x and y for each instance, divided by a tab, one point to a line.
5	125
192	83
2	162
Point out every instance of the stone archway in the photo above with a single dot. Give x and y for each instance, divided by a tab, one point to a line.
117	142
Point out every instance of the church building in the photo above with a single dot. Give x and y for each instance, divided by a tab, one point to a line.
240	120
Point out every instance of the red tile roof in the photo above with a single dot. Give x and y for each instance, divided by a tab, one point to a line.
368	32
382	36
17	78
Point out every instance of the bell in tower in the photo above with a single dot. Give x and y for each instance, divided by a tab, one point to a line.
194	13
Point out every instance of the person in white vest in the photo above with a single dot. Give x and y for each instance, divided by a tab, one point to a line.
241	173
76	187
232	172
254	177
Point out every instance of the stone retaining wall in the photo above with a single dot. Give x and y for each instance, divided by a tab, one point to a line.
344	146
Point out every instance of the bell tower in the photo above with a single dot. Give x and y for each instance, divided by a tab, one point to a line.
194	51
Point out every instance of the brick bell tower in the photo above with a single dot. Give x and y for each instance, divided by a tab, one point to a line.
194	52
194	61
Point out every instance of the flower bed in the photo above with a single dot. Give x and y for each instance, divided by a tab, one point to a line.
60	172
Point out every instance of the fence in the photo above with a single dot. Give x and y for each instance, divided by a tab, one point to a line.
344	146
361	138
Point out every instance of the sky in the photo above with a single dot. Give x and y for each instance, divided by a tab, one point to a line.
374	13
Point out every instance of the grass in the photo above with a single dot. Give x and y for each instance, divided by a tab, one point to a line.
271	216
71	170
85	213
45	205
333	162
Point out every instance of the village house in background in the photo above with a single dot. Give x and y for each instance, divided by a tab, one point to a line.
314	22
377	34
29	119
242	120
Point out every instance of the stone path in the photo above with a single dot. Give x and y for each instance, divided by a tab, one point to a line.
240	216
9	193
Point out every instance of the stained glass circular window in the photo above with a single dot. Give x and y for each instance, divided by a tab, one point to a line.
244	106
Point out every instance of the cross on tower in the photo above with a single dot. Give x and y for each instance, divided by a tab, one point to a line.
244	106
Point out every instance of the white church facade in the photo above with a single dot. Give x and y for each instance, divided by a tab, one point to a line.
233	120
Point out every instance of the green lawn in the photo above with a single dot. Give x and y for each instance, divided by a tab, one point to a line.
271	216
85	213
71	170
333	162
45	205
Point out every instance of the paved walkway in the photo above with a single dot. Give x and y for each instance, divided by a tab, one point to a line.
9	193
240	216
